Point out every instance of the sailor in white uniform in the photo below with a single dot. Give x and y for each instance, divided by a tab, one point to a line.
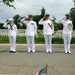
67	32
31	32
48	31
12	33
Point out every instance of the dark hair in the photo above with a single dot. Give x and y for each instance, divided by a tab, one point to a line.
68	15
47	15
30	16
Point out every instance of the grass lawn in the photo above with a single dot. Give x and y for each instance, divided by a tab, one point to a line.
39	40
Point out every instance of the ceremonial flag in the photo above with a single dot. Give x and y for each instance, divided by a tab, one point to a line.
42	71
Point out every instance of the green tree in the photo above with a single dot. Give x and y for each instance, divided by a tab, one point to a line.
60	26
17	20
42	12
1	26
56	26
54	19
41	16
72	13
36	18
8	2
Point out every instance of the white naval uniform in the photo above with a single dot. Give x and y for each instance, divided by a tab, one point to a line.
67	34
48	30
31	31
12	36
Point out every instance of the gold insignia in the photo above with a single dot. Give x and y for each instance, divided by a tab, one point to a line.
70	26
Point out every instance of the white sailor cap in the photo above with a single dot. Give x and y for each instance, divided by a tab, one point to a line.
10	19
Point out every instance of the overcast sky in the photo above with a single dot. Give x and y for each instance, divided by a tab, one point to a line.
24	7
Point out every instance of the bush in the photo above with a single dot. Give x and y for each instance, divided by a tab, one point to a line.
1	26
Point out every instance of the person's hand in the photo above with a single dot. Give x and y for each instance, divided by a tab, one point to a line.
52	34
24	18
43	16
36	36
64	17
17	35
8	21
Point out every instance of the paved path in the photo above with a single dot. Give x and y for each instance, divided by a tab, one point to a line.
23	63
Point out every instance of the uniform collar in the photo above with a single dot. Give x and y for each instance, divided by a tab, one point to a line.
66	19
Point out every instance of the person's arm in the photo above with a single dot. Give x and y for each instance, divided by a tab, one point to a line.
61	21
23	21
5	25
36	35
41	21
35	29
71	26
52	28
16	30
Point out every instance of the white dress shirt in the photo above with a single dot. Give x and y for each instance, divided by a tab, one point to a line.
66	29
48	27
31	27
12	32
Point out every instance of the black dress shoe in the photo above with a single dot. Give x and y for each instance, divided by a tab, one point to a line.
12	52
30	51
48	51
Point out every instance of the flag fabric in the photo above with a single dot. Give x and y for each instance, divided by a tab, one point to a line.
42	72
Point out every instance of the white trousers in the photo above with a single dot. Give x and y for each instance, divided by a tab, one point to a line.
48	42
12	40
30	43
67	40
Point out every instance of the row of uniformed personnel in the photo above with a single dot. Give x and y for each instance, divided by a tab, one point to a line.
48	31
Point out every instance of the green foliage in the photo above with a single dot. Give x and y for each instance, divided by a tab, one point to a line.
55	26
54	19
8	3
4	39
72	13
42	12
5	1
58	26
21	40
1	26
39	40
37	18
57	41
17	20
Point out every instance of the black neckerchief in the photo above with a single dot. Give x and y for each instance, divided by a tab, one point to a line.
11	27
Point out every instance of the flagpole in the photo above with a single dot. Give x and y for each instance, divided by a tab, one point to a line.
46	69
